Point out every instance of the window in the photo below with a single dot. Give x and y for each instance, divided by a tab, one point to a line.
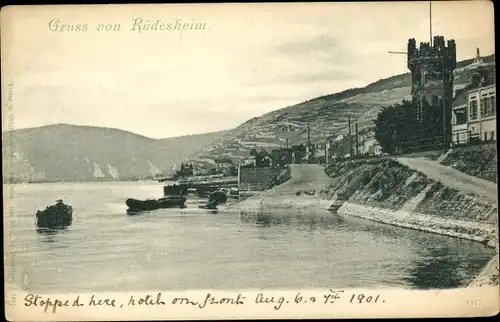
492	135
461	117
473	110
484	106
485	136
493	106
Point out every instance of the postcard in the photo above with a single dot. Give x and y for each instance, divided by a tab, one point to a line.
266	160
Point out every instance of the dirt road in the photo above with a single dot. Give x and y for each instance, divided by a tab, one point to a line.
453	178
303	177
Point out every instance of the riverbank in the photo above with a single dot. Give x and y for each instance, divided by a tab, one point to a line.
489	275
307	188
405	193
476	231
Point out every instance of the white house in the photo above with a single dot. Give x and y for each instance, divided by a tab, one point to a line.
224	163
482	113
474	115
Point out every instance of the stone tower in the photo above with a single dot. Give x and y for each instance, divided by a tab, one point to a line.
432	67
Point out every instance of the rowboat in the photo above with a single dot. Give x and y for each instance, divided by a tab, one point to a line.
153	204
59	215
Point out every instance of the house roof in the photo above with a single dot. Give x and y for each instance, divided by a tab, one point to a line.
224	160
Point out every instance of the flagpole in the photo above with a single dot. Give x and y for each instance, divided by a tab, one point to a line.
430	23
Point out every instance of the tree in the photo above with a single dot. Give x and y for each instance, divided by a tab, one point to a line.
397	127
185	170
390	126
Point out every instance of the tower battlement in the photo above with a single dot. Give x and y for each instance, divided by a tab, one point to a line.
432	66
439	50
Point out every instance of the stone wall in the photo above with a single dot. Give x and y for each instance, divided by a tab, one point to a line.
479	160
451	203
389	185
259	179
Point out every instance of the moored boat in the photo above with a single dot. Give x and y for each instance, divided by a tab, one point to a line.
216	198
175	189
219	196
59	215
153	204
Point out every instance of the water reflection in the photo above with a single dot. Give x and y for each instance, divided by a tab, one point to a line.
438	267
49	234
51	231
263	219
135	212
437	264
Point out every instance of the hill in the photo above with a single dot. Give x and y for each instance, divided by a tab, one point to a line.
64	152
326	115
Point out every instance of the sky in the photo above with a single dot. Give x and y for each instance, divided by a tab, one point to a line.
249	60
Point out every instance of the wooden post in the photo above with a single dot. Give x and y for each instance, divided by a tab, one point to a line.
357	141
239	180
430	23
326	152
309	142
350	140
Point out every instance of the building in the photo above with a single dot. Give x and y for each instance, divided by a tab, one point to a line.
282	156
432	66
371	147
299	152
459	128
224	163
481	114
316	152
474	109
292	155
262	158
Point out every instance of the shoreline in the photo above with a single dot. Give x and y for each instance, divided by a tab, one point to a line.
484	233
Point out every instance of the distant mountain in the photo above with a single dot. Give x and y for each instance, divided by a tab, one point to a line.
326	115
64	152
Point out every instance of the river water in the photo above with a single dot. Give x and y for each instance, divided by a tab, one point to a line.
106	249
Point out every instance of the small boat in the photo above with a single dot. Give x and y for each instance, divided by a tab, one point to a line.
230	192
175	189
216	198
219	196
153	204
59	215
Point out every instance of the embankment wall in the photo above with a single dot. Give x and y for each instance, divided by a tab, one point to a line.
480	161
260	179
392	186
